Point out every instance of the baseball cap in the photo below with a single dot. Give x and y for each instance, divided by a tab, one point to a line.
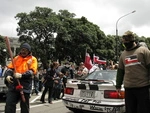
128	36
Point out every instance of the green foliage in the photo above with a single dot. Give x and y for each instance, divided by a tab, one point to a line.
38	28
2	50
77	35
2	43
74	37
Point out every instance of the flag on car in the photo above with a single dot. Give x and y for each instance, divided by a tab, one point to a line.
97	61
88	62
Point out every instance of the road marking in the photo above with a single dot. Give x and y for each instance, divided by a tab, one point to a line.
41	104
33	106
35	99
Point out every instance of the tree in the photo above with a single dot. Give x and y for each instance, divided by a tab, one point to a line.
148	42
76	36
2	51
38	28
109	48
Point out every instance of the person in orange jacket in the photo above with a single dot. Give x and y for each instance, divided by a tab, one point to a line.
23	69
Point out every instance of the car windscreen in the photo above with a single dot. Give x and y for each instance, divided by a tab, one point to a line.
102	75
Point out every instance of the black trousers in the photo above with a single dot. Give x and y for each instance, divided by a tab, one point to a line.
137	100
50	92
12	98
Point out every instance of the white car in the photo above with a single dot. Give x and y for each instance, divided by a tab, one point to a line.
3	87
94	93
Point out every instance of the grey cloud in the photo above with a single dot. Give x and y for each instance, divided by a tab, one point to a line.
9	9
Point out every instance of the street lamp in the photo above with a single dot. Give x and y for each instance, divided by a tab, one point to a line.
117	32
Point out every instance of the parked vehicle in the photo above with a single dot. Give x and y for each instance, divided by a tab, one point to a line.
95	93
3	87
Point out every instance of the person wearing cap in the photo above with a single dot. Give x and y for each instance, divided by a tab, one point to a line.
23	68
133	71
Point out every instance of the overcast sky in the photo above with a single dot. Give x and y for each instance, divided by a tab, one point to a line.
104	13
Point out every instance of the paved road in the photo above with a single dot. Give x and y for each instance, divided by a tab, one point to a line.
37	107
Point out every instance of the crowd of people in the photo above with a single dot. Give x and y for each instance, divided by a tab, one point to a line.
132	71
53	80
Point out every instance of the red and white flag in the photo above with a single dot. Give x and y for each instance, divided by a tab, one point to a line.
88	62
97	61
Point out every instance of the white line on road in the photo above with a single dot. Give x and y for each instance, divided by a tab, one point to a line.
33	106
35	99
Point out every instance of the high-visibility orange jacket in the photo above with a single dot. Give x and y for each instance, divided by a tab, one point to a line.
24	64
27	67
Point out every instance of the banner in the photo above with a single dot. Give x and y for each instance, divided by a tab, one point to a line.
88	63
97	61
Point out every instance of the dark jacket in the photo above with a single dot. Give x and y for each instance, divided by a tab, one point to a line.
25	82
49	78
